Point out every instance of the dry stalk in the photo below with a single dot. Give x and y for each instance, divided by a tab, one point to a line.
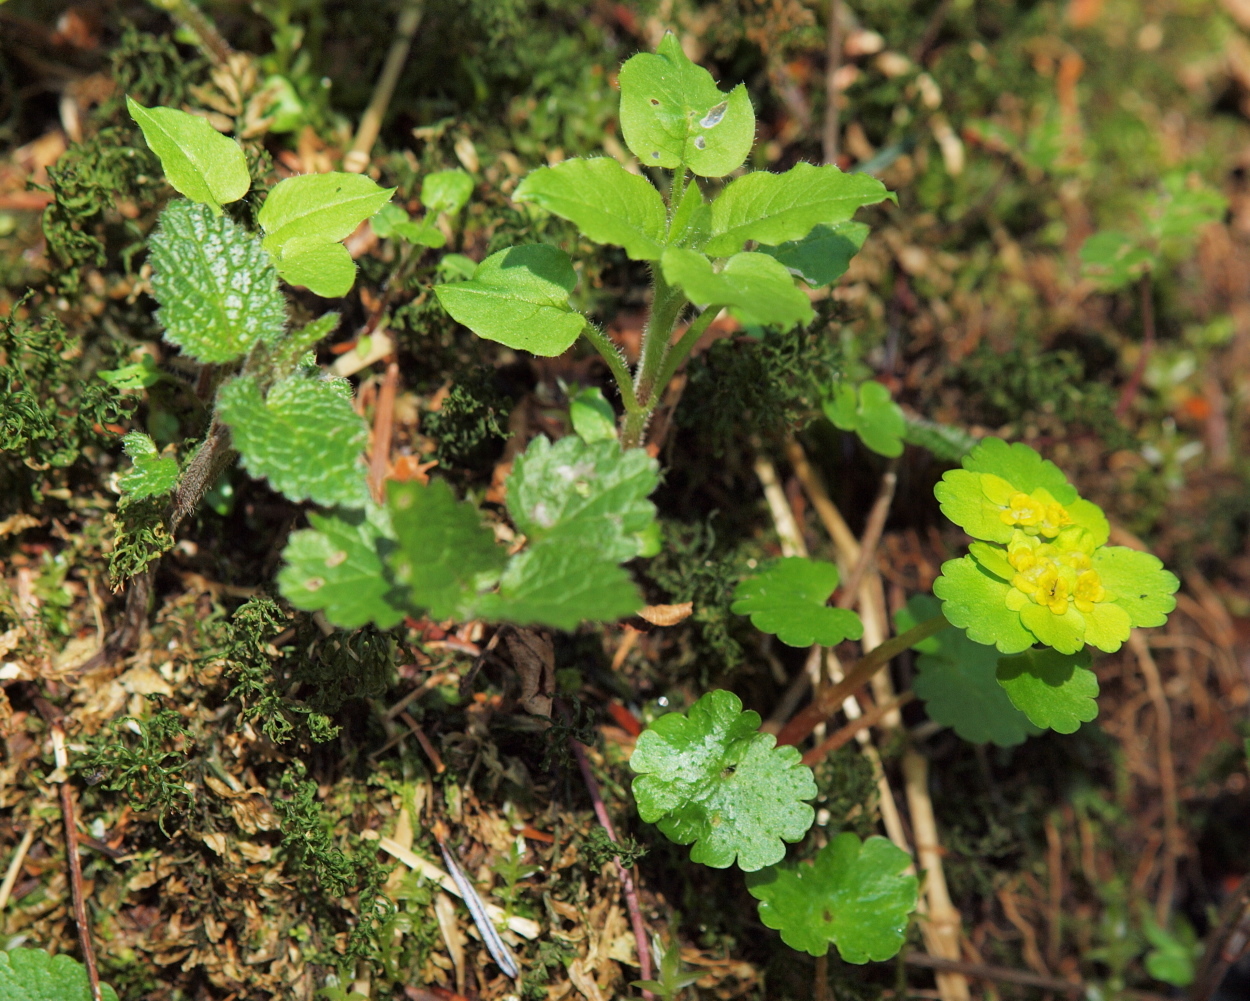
357	158
383	423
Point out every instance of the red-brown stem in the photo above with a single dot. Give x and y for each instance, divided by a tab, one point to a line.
383	420
1129	393
631	895
75	882
424	741
845	734
832	63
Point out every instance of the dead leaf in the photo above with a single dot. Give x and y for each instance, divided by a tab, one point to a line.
453	937
583	981
666	615
534	658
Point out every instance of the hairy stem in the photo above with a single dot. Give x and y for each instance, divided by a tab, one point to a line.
616	365
681	350
666	305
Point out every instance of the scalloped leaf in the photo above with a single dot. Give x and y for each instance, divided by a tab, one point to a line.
777	208
34	975
1056	691
958	682
1020	466
604	200
788	600
976	601
710	778
673	114
520	298
1139	583
217	289
198	160
445	555
337	566
150	474
303	437
853	894
821	257
871	413
757	289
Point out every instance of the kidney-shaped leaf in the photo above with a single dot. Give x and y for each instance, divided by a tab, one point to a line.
198	160
34	975
606	202
1056	691
520	298
854	895
788	600
674	115
710	777
756	288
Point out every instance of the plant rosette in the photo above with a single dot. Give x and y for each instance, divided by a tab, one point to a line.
1041	570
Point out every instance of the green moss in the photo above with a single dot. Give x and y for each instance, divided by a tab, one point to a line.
471	425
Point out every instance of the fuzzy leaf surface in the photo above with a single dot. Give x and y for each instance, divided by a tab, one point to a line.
852	894
218	291
976	601
824	254
198	160
33	975
788	601
319	265
561	582
445	554
337	567
1056	691
757	289
673	114
520	298
776	208
958	682
304	437
710	777
604	200
871	413
150	474
326	206
446	191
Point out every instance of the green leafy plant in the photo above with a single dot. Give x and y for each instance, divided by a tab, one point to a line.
789	600
869	411
34	975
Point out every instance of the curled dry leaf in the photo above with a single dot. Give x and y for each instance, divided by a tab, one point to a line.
666	615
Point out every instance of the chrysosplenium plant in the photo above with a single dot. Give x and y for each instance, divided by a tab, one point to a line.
1003	646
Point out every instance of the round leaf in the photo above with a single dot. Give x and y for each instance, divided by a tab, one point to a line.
319	265
788	600
976	601
1056	691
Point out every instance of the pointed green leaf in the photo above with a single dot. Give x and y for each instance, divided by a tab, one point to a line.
329	206
854	895
606	202
788	600
757	290
445	554
198	160
592	416
824	254
34	975
304	437
776	208
673	114
337	567
710	777
319	265
150	474
218	291
520	298
976	601
692	220
958	683
1138	584
1056	691
446	191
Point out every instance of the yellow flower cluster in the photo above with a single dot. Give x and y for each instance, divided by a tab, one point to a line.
1058	574
1036	513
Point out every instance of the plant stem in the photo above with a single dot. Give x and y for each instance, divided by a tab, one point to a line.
826	702
666	305
357	158
832	63
678	190
679	351
616	365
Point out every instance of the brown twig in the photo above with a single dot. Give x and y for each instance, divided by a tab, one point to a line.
1167	773
1131	388
424	741
872	536
843	538
383	422
833	63
847	733
357	158
999	974
627	882
1226	943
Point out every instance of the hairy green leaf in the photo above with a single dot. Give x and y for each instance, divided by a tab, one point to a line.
691	220
151	474
1056	691
605	201
776	208
976	601
854	895
561	581
218	291
869	411
445	554
757	289
446	191
304	437
324	206
788	599
710	777
198	160
824	254
592	416
958	682
337	567
520	298
1115	259
674	115
34	975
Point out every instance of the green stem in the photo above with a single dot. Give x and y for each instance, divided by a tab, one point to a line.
666	305
616	365
678	190
679	351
